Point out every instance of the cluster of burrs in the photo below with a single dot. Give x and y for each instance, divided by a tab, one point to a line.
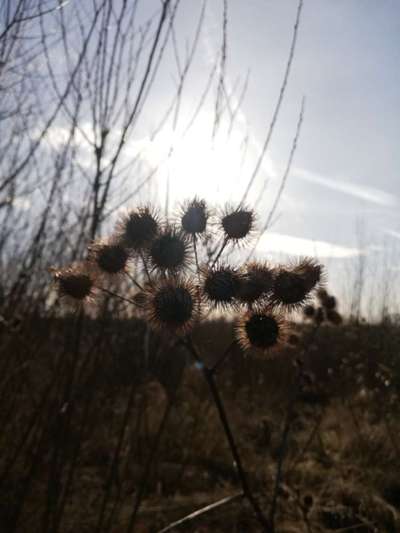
181	275
325	310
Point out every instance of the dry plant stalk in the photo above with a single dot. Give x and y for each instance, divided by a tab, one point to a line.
178	285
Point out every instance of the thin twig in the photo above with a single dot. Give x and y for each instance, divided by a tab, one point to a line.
196	257
223	358
145	268
282	184
134	281
200	512
116	295
209	377
278	104
225	242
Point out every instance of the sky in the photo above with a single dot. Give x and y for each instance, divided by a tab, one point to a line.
342	196
347	164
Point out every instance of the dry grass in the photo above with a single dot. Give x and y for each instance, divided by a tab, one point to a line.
343	449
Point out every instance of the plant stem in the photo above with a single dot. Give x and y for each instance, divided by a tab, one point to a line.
196	257
146	268
134	281
220	252
200	512
223	358
209	377
116	295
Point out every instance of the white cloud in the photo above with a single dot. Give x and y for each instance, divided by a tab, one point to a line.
23	204
362	192
20	203
392	233
272	242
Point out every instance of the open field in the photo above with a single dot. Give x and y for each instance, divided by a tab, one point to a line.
77	465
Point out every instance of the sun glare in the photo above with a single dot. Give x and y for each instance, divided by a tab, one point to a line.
196	162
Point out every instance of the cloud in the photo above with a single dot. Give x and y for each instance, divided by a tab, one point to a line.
272	242
362	192
20	203
392	233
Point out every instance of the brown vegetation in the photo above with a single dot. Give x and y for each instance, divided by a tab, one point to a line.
342	457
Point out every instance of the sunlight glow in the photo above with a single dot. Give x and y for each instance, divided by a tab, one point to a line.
214	168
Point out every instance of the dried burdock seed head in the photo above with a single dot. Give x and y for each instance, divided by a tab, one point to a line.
138	228
170	250
220	285
322	294
329	303
293	285
249	290
237	223
309	311
109	257
261	329
173	306
140	300
310	271
334	317
194	217
75	283
293	339
290	290
255	282
319	316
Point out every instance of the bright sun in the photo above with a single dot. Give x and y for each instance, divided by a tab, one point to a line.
195	162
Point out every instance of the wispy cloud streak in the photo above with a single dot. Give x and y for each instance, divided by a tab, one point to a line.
279	243
362	192
392	233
